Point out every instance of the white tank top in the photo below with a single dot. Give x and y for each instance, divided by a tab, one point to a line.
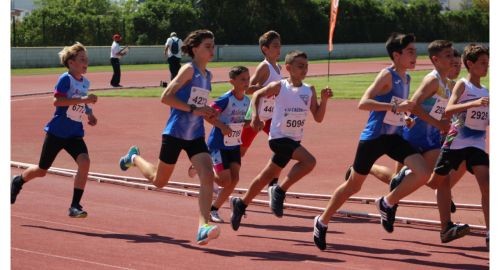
266	106
290	111
469	127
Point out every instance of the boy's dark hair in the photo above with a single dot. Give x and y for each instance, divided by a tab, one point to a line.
236	71
397	42
267	38
194	39
437	46
291	56
456	53
472	53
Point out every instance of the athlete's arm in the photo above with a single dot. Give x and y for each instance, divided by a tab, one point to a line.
258	78
427	89
318	110
269	90
453	107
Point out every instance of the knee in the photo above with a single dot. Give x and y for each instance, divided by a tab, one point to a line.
41	172
83	161
310	163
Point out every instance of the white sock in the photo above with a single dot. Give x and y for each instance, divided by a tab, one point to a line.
321	224
132	158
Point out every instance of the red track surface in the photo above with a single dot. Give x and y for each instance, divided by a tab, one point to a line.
137	229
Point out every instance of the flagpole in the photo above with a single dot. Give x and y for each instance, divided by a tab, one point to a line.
328	77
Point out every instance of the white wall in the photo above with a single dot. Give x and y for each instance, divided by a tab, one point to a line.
99	55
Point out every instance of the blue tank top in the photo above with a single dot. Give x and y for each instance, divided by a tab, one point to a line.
185	125
375	126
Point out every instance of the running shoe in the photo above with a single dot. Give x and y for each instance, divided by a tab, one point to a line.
77	212
387	215
238	211
454	231
207	233
277	200
319	234
214	216
398	178
15	187
126	160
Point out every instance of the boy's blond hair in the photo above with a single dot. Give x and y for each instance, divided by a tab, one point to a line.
70	53
472	53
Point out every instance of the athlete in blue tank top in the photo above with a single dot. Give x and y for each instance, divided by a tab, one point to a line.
375	125
185	125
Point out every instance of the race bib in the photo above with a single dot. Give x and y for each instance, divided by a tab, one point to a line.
477	118
198	97
75	112
395	119
234	138
293	124
437	110
266	108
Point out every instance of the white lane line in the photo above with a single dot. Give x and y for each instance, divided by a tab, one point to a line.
69	258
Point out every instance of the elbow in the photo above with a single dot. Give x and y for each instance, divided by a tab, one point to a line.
361	105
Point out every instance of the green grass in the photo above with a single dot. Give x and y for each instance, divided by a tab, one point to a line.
344	86
107	68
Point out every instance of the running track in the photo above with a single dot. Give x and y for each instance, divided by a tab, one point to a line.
135	229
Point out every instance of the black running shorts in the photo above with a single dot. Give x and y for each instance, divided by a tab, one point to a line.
171	148
53	144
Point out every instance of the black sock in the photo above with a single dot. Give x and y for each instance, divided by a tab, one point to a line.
214	208
77	196
273	182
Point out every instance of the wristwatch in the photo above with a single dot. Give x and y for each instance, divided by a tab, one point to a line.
192	107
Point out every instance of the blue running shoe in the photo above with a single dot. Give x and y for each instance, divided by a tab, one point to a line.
126	160
207	233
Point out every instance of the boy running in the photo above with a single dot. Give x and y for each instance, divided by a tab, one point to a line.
65	130
466	140
386	99
225	138
293	100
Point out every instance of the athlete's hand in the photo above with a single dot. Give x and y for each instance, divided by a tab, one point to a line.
326	93
406	106
444	125
92	120
256	124
226	130
206	111
484	101
91	98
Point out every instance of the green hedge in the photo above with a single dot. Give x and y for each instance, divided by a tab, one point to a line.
148	22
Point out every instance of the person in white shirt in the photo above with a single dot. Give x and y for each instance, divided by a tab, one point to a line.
116	54
173	53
